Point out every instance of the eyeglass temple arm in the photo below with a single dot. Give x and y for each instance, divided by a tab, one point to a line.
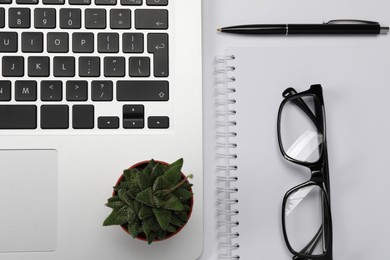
302	105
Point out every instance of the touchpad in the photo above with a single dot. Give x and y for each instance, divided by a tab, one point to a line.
28	200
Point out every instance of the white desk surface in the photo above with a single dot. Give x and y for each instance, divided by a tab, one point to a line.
219	13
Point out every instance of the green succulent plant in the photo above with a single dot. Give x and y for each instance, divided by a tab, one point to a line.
151	202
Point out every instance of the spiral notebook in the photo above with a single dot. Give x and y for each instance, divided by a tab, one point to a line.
252	176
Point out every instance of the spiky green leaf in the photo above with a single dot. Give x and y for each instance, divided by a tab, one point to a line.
183	194
173	203
115	203
160	184
171	229
144	180
146	197
117	217
182	215
135	228
157	171
130	174
173	175
150	237
125	197
161	234
147	225
145	212
176	221
163	217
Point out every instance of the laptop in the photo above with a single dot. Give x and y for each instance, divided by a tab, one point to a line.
89	88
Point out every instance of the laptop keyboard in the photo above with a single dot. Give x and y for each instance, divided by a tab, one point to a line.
62	59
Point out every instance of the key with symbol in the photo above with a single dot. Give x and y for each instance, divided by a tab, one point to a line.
102	90
158	45
114	66
139	66
108	122
76	90
38	66
51	90
151	19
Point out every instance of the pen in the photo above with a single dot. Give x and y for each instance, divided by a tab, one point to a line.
332	27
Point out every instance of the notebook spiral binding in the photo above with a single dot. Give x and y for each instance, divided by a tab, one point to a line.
227	209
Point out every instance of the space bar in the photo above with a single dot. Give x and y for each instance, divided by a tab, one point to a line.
18	117
142	90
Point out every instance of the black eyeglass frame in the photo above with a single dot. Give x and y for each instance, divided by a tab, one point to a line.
319	172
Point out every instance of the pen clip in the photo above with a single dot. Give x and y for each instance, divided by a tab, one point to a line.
341	21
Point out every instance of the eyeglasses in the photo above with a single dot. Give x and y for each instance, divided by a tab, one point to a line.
306	213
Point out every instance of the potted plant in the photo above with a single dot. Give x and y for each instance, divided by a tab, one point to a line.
152	200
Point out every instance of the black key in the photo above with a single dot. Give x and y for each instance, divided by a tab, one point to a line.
70	18
83	117
2	17
158	45
5	90
108	42
5	1
89	66
77	90
51	90
157	2
83	42
13	66
79	2
151	19
133	42
114	66
105	2
27	2
38	66
57	42
8	42
139	66
95	18
53	2
19	18
120	19
32	42
25	90
54	117
18	117
45	18
64	66
133	116
108	122
142	90
102	90
131	2
158	122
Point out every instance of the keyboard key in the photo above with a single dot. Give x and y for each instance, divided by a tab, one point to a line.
2	17
64	66
83	117
108	42
83	42
151	19
25	90
38	66
77	90
53	2
157	2
8	42
95	18
13	66
158	45
139	66
45	18
102	90
19	18
54	117
133	42
32	42
57	42
51	90
131	2
70	18
27	2
105	2
142	90
18	117
108	122
5	1
89	66
158	122
133	116
114	66
79	2
120	19
5	90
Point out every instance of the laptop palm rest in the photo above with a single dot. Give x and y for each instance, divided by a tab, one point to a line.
28	199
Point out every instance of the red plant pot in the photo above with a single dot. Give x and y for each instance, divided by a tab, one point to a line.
142	165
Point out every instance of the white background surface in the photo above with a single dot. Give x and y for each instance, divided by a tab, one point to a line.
369	202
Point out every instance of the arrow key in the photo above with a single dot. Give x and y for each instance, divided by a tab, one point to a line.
108	122
158	122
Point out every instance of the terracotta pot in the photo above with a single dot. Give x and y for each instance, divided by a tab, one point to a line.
142	165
